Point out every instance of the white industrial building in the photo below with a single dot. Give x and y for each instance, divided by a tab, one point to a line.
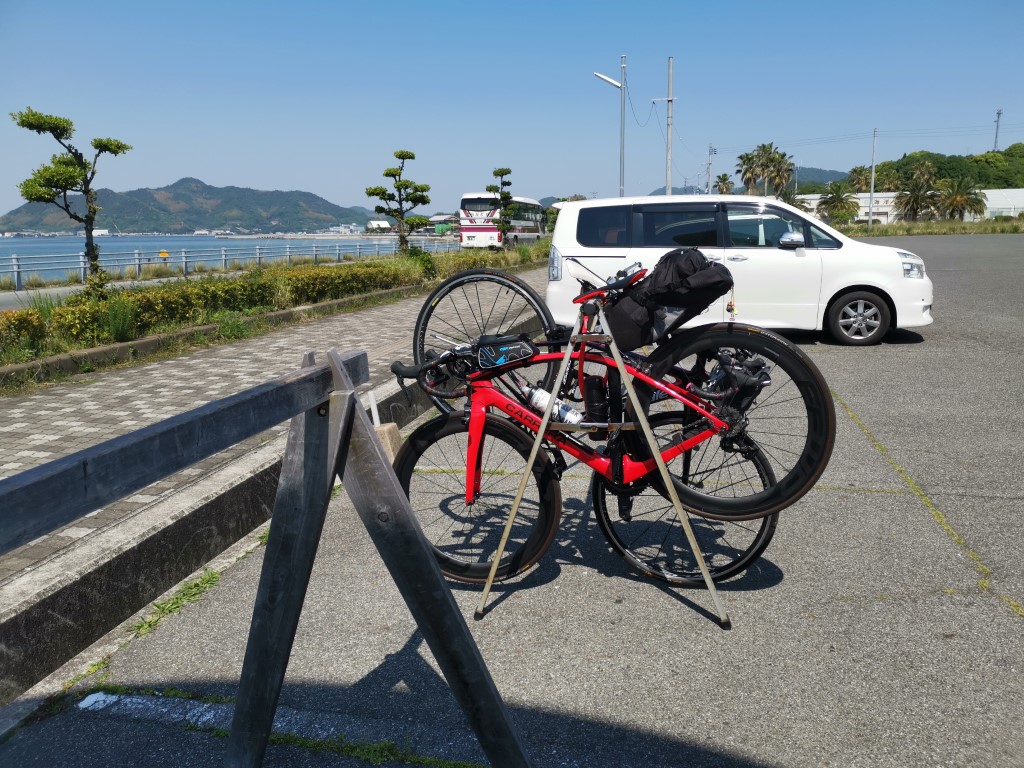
998	202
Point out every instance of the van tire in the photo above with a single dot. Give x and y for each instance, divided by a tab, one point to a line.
859	318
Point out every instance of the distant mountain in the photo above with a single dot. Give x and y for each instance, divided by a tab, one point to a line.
819	175
188	205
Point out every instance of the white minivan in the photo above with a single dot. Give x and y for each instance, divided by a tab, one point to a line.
790	270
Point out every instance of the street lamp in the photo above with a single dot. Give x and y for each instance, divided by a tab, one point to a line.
622	123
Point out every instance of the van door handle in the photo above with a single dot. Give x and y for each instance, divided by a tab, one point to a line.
714	258
738	257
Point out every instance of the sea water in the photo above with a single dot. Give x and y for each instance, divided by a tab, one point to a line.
53	258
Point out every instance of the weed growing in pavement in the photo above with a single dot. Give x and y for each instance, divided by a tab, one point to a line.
189	593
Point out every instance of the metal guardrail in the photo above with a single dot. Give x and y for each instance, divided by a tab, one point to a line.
187	261
329	436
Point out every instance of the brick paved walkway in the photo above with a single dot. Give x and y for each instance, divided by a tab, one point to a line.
91	408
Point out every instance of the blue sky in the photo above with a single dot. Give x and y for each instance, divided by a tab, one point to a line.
316	96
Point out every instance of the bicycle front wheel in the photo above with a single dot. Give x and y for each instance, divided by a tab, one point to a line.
644	528
790	424
477	302
431	467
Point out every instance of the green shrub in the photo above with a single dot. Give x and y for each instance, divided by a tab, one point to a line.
167	304
309	285
22	328
423	260
78	322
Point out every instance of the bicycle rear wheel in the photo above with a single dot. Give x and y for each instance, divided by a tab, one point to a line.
643	527
791	423
477	302
431	467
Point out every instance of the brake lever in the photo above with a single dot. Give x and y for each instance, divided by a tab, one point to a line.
405	389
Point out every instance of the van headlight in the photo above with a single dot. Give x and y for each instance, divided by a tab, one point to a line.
913	265
554	264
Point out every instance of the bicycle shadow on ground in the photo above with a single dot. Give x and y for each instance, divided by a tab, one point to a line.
580	543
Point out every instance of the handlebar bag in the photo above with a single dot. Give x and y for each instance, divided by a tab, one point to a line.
682	285
499	351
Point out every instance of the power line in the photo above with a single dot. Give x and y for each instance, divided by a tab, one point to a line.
923	133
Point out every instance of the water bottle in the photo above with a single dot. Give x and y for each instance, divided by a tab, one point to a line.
562	412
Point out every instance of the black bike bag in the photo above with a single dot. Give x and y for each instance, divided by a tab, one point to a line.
499	351
682	285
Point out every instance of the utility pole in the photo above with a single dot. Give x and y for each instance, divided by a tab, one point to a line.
999	114
668	140
668	151
871	196
711	151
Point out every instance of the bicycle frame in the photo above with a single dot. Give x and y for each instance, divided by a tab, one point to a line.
483	396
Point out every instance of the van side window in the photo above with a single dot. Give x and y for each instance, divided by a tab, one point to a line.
676	226
820	240
753	226
605	226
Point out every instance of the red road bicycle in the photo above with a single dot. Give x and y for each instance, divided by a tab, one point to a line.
742	418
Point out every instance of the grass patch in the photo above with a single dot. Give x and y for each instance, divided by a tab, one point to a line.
189	593
940	227
374	753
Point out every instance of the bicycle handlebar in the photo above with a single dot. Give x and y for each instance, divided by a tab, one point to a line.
429	374
403	371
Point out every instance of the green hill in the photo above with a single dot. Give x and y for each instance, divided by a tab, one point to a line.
188	205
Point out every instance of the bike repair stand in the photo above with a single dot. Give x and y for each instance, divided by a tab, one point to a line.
581	340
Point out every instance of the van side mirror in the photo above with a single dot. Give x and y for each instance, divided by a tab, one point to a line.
791	241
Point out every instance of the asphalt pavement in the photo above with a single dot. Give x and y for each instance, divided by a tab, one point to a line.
883	626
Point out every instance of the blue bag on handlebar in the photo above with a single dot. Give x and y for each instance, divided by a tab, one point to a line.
499	351
682	285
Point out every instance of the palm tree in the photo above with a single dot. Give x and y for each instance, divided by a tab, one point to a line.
788	196
839	203
887	180
957	197
924	171
748	171
779	171
859	178
723	184
764	157
916	199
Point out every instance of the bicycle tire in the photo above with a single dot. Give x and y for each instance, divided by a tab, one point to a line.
643	527
431	467
483	301
792	422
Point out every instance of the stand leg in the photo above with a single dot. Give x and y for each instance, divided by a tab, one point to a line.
666	478
526	475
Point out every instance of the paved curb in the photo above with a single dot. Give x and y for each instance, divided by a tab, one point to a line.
98	583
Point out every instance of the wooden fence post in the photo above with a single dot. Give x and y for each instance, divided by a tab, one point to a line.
299	510
385	511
